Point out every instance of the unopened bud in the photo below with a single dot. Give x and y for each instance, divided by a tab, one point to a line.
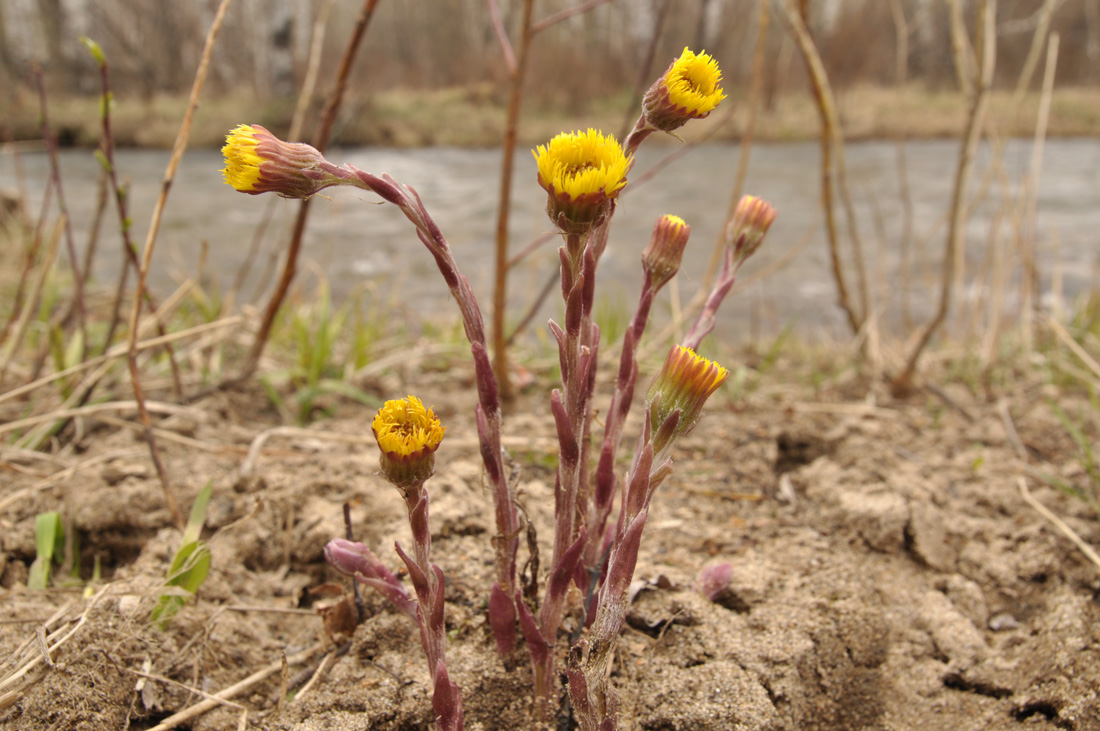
751	221
661	259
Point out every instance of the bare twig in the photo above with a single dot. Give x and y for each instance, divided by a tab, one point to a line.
1074	346
1042	27
504	205
212	702
149	406
257	445
121	196
956	234
1029	279
961	50
502	37
77	304
1057	522
826	106
320	141
120	351
182	139
752	105
566	14
31	304
901	77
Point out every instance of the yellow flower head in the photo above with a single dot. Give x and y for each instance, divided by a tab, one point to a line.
690	89
408	434
583	173
684	384
257	161
661	259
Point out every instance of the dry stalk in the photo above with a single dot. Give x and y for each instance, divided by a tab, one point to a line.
1057	522
31	659
517	71
147	255
76	306
830	134
956	234
79	395
256	447
961	51
1074	346
752	108
30	306
64	475
1042	28
149	406
901	78
216	699
117	352
297	121
1029	278
30	256
320	141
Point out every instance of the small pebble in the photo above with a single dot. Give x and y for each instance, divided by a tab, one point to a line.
1002	622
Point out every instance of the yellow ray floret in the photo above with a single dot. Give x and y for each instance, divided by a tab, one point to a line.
582	164
406	429
694	373
242	163
694	83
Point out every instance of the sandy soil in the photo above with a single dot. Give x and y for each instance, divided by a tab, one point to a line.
887	573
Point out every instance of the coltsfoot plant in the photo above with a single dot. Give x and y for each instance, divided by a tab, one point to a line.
596	537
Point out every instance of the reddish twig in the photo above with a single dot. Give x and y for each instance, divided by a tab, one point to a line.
507	165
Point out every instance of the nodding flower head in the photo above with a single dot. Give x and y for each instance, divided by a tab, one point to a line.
408	433
684	384
257	161
690	89
661	259
583	173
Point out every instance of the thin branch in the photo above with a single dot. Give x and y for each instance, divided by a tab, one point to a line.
956	233
147	255
320	141
502	36
819	83
507	166
1058	523
77	304
566	14
752	105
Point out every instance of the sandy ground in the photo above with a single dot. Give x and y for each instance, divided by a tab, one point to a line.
887	573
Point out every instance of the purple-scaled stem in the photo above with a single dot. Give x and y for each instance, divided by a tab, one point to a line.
408	434
674	405
357	561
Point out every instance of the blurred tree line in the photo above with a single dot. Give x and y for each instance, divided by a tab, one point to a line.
153	45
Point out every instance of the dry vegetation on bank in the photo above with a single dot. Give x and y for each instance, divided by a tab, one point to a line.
475	117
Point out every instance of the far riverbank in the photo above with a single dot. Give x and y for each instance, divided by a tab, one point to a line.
474	117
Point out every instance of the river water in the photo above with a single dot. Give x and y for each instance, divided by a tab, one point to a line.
360	244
